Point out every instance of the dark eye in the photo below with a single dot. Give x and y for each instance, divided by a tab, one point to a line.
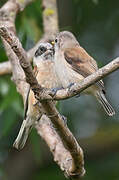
55	40
42	49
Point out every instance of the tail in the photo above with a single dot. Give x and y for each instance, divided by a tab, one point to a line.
103	101
23	134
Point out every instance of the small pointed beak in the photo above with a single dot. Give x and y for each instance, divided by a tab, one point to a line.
53	43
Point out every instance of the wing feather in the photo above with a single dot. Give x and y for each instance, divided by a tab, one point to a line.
81	62
27	96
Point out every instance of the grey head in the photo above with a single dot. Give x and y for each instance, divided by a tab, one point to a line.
65	39
44	52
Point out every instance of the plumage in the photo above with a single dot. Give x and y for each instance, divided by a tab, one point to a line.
47	77
73	64
81	62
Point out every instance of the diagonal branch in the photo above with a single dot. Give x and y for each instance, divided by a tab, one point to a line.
73	163
8	14
50	19
70	155
76	168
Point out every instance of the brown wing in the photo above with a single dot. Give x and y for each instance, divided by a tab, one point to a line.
81	62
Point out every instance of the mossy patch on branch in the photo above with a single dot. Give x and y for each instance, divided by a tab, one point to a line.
48	12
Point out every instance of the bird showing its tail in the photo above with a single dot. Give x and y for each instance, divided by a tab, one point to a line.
103	101
23	134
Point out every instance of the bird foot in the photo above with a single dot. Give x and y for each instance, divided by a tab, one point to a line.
70	85
44	94
54	90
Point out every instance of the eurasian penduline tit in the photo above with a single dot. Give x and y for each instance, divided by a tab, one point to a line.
47	78
73	64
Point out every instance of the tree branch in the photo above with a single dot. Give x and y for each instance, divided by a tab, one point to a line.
75	167
50	19
66	151
7	17
88	81
61	156
68	139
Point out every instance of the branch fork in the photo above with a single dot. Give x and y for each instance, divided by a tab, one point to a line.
76	167
63	145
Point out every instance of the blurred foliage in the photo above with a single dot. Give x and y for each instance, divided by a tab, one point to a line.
106	168
29	24
96	25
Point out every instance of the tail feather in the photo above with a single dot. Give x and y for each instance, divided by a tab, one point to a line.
103	101
23	135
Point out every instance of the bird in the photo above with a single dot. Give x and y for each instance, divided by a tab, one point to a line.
73	64
46	76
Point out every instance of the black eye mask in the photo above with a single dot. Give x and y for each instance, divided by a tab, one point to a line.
40	51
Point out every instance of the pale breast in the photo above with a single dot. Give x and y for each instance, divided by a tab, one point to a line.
65	72
47	76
